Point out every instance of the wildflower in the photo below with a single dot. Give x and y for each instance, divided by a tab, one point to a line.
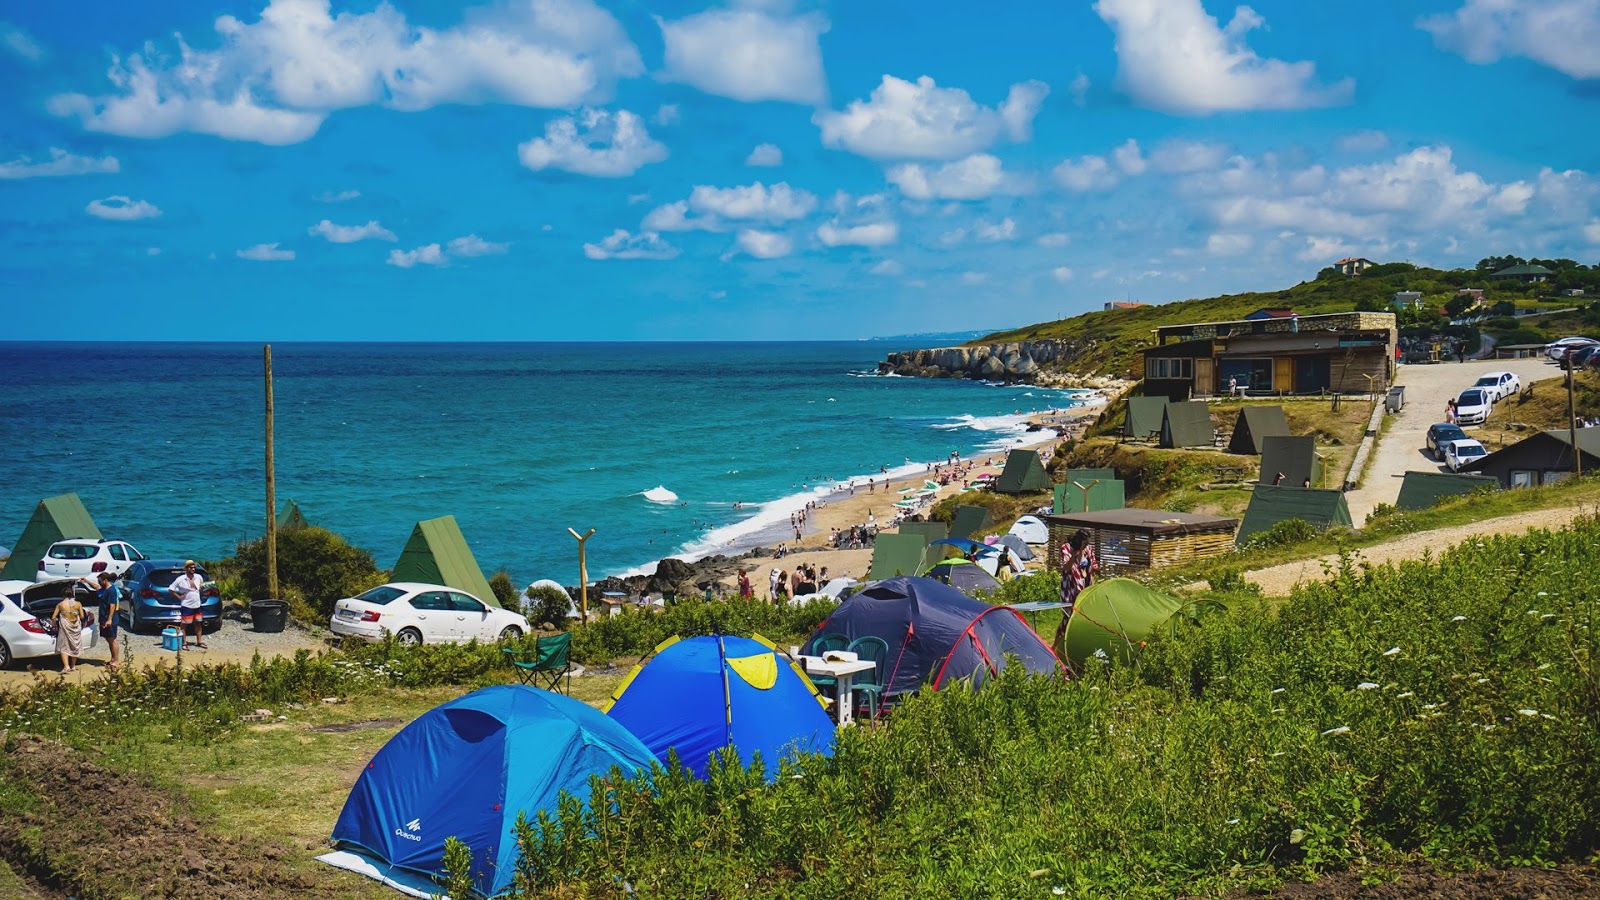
1458	619
1367	686
1482	681
1404	694
1547	716
1297	835
1278	690
1528	712
1342	729
1233	821
1392	651
1432	705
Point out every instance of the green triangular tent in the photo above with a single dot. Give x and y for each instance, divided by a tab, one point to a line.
1270	505
1256	423
969	521
1187	424
897	554
1421	490
933	531
1116	617
1144	417
438	554
1101	494
1024	472
57	518
1295	457
290	518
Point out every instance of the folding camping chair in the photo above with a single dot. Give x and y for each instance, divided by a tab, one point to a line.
820	646
546	664
871	683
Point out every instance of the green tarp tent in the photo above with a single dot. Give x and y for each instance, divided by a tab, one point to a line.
932	531
1144	417
1295	457
54	519
1270	505
970	521
1101	496
897	554
1024	472
290	517
1421	490
1187	424
1115	617
1256	424
438	554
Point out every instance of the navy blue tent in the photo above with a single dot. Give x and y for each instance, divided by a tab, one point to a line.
699	695
467	768
936	634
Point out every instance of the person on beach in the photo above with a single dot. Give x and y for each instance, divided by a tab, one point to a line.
70	618
186	588
783	586
746	592
1080	567
772	585
110	597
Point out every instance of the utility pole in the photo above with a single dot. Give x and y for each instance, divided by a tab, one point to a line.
583	575
1572	423
272	500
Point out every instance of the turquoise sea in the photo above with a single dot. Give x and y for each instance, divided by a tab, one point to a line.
163	442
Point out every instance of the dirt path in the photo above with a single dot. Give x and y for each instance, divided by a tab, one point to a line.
1277	580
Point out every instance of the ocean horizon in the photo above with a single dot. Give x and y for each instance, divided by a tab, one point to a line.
666	449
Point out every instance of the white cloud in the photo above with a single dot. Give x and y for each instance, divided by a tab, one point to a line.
1129	159
472	245
60	163
275	80
1560	34
765	155
265	253
594	142
890	267
1086	173
764	244
1512	199
874	234
1591	232
622	245
952	237
1369	141
20	44
666	114
1061	274
991	232
973	178
973	278
1079	89
1172	56
712	206
426	255
1228	244
1179	156
906	120
336	197
1054	239
349	234
122	209
747	55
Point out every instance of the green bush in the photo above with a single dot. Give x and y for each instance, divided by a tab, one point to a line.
1283	534
635	632
321	565
546	605
505	593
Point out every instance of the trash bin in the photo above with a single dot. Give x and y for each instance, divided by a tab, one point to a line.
269	616
1397	398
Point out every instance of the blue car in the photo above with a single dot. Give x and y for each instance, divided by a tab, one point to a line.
148	599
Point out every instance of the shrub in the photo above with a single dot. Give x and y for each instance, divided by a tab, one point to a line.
635	632
1289	531
546	605
505	593
321	565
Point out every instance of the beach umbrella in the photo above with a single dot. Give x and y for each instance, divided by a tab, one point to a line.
931	485
906	490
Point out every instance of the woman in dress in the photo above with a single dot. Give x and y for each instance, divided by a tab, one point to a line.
69	617
1079	570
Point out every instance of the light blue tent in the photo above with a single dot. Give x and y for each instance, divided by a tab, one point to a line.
698	695
465	770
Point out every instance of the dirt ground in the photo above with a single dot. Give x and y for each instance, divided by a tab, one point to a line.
1559	883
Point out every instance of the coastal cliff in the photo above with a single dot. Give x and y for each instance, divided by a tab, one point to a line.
1043	362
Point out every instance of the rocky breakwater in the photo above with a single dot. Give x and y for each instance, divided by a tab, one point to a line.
1043	362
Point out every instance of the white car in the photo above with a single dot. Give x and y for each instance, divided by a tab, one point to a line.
1556	349
1500	384
23	604
1474	406
83	558
424	614
1460	452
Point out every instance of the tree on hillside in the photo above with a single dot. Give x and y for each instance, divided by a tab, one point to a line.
321	565
1496	263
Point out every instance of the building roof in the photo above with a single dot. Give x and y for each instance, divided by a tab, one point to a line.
1272	312
1352	259
1151	521
1588	443
1513	271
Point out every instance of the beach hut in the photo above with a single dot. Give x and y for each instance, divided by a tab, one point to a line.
937	635
1269	505
1295	457
1187	424
1256	424
1143	420
1421	490
58	518
700	695
1113	618
438	554
1024	472
1089	496
1132	539
290	517
970	521
467	769
897	554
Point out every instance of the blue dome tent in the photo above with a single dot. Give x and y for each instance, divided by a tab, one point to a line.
701	694
465	770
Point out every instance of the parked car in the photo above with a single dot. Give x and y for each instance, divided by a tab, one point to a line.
25	611
424	613
1473	406
1579	357
1460	452
1555	349
1500	384
82	558
1441	434
148	599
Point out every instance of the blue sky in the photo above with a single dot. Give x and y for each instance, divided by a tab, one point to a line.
571	170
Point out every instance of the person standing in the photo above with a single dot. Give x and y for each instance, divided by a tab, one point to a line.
110	597
783	586
1450	411
1233	385
186	588
69	618
772	585
1079	570
745	590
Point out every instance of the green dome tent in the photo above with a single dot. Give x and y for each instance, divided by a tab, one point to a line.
1115	617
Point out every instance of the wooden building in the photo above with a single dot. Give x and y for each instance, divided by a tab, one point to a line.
1131	540
1273	356
1543	458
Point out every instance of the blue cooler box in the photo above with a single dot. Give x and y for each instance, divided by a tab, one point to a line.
171	638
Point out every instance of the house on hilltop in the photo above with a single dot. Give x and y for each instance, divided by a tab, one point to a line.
1353	265
1407	300
1524	273
1122	304
1276	355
